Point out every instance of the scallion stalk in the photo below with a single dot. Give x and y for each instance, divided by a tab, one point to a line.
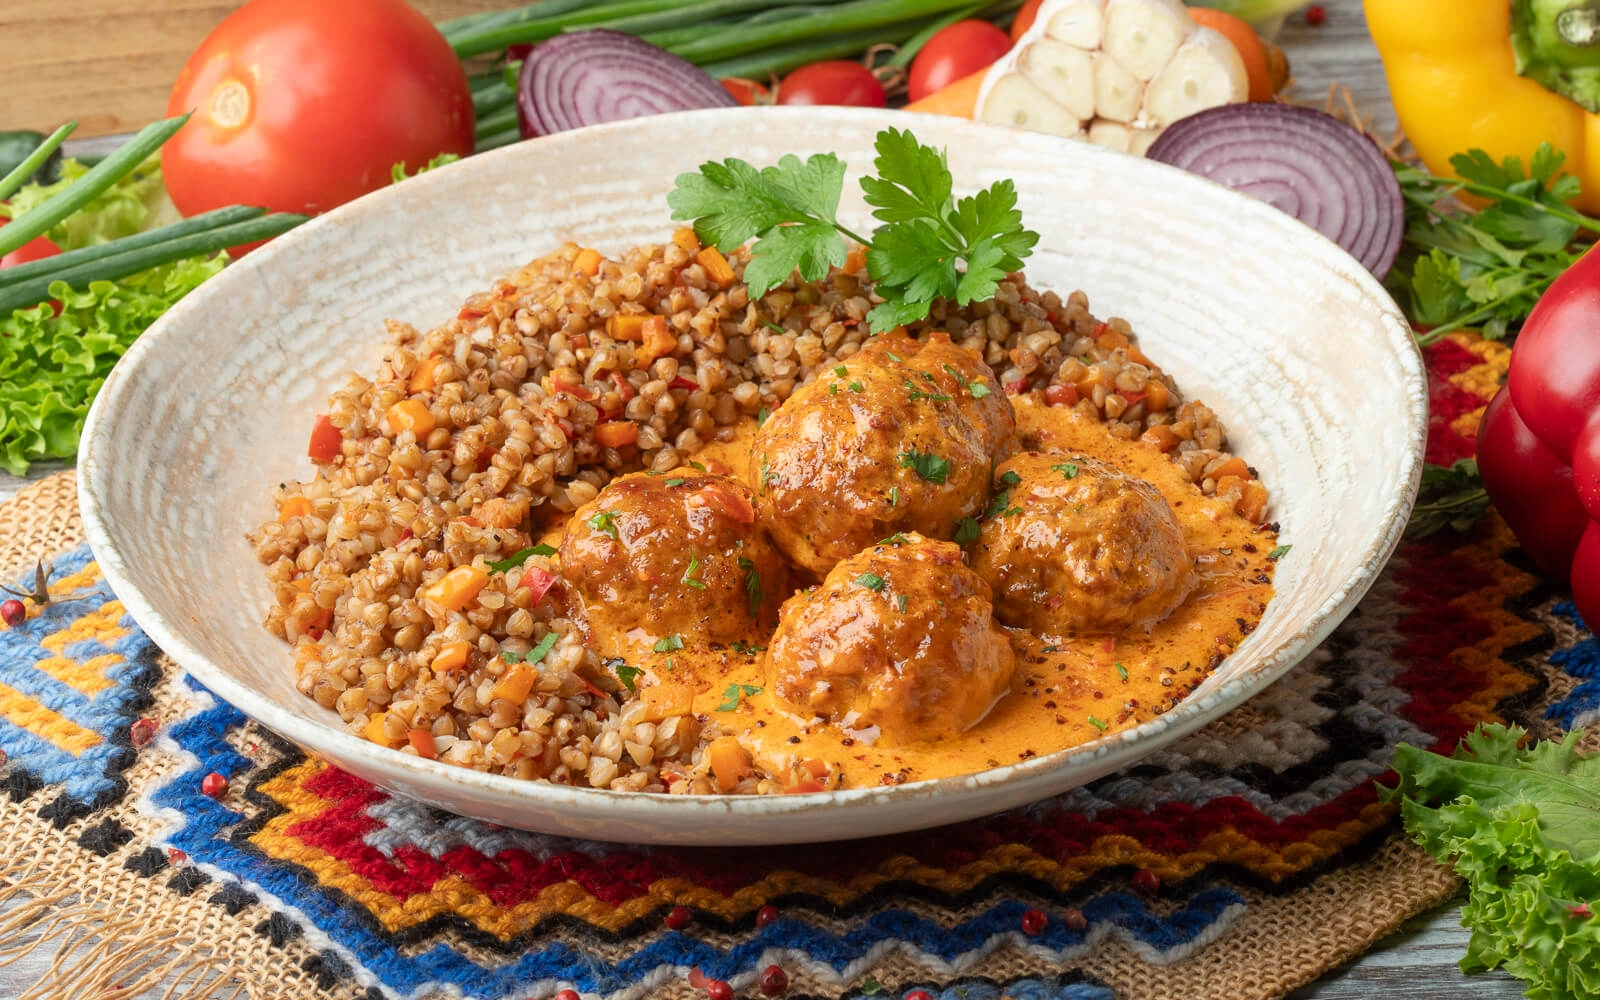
858	15
86	188
495	140
696	14
501	120
493	38
54	266
21	294
780	59
16	178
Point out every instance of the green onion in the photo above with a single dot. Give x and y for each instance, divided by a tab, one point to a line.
86	188
859	14
99	251
462	26
533	29
500	121
780	59
682	14
119	265
491	99
485	143
16	178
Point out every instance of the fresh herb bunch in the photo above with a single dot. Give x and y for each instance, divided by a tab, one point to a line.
1451	497
930	246
1485	269
1523	828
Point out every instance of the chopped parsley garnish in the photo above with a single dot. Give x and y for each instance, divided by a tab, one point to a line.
675	481
689	578
1122	671
977	387
537	653
746	648
629	676
894	496
871	581
696	466
1000	505
519	557
1279	552
894	357
605	521
668	644
855	387
931	468
1102	726
761	416
840	370
932	397
1051	649
900	602
775	328
1068	470
752	585
895	539
766	477
730	697
833	389
967	531
1009	479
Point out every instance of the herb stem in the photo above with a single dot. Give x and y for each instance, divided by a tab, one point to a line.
16	178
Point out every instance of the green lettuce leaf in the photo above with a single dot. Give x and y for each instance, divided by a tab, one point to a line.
1522	826
54	365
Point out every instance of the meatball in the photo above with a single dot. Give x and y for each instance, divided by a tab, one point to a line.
900	437
901	636
676	554
1075	545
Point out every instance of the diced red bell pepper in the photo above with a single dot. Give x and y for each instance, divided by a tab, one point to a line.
325	440
538	582
1539	441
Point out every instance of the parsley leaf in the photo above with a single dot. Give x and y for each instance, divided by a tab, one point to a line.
900	602
752	585
730	697
967	531
871	581
669	644
1450	497
746	648
629	676
1279	552
931	468
1122	671
519	557
537	653
604	521
1098	724
1068	470
689	578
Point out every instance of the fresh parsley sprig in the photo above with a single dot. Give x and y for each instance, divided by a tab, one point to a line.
931	244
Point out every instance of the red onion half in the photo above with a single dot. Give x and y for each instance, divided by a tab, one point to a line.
589	77
1311	165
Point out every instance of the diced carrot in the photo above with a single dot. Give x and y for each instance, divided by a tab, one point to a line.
516	684
663	701
817	768
456	589
1160	437
625	326
802	787
717	267
1252	504
1134	354
410	415
686	239
422	378
729	762
1231	486
422	742
658	342
498	512
959	100
319	623
325	440
374	730
616	434
1110	338
1232	467
1091	378
587	261
855	261
294	507
1061	395
452	656
302	584
1157	396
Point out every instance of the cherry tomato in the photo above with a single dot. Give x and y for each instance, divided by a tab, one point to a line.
1024	18
747	92
37	248
837	81
959	50
302	105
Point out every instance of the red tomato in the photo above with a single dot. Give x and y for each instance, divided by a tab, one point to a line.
747	92
837	81
325	440
37	248
1024	18
302	105
959	50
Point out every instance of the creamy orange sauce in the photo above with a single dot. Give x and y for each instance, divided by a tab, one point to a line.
1067	690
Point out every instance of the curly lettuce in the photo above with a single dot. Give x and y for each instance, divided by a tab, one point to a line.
1523	828
51	366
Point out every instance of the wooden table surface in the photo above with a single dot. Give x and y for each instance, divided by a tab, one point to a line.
110	67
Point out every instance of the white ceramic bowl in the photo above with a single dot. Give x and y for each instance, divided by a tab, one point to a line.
1295	345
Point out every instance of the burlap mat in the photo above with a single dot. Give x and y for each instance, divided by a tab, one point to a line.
1275	860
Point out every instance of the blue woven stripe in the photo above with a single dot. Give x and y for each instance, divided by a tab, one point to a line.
1581	660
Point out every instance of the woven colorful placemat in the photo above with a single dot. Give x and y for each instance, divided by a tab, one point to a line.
1272	858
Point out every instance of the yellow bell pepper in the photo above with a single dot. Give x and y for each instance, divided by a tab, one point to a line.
1452	67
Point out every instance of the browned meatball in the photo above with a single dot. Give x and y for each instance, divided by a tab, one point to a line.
900	636
1077	546
899	438
678	554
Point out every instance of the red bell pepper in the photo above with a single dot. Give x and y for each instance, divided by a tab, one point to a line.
1539	442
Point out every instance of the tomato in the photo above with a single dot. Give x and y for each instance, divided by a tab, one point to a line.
37	248
303	105
326	440
1024	18
747	92
837	81
955	51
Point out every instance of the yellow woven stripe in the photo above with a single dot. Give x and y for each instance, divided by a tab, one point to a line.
62	588
27	713
88	676
1467	423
